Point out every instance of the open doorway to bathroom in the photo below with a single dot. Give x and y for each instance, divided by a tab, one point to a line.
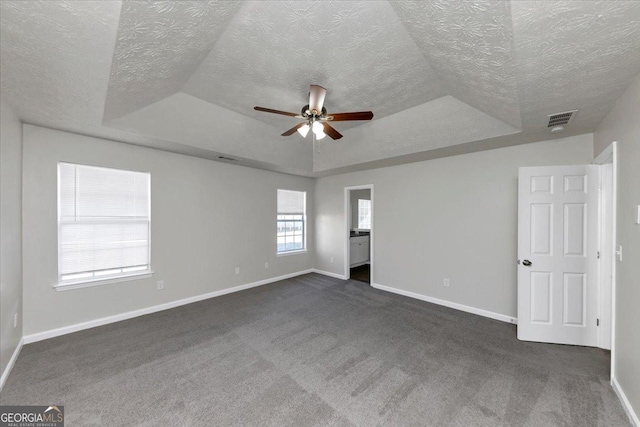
359	232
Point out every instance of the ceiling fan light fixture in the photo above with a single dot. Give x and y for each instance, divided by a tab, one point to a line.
318	130
304	130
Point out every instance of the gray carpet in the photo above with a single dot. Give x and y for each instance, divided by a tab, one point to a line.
314	351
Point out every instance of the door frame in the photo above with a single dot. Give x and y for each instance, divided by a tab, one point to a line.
609	156
347	231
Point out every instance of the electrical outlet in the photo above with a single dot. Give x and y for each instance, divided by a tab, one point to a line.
237	270
331	260
15	320
160	285
446	283
266	265
619	252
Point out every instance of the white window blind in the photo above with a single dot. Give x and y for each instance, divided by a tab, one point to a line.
364	214
103	223
291	202
290	223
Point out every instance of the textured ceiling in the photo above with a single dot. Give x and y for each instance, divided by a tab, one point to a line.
270	52
574	55
55	59
184	75
470	44
159	45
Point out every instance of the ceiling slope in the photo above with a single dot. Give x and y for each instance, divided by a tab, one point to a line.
470	45
272	51
158	46
391	136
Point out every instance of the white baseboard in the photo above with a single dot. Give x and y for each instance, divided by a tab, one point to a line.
455	305
39	336
633	417
12	361
330	274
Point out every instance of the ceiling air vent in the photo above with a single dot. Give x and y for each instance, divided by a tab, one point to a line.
229	159
561	119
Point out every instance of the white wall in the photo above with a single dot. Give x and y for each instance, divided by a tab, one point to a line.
355	196
206	218
10	232
454	217
623	125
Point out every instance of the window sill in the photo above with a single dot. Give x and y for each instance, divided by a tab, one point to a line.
87	284
302	251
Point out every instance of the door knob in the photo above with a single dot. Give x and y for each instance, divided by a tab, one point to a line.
526	262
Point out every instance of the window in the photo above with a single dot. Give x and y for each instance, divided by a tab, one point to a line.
291	231
103	223
364	214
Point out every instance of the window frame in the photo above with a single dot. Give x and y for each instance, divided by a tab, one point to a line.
302	220
122	276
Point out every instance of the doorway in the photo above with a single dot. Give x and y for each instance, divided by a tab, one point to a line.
358	233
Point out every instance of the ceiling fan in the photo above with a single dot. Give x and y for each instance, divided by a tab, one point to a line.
315	116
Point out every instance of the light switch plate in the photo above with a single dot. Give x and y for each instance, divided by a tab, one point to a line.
638	215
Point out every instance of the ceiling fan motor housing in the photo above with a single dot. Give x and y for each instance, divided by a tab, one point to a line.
306	113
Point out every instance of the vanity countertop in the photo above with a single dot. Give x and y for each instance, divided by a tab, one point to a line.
358	234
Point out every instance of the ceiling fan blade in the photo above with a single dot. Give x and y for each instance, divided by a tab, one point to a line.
341	117
316	98
293	129
334	134
269	110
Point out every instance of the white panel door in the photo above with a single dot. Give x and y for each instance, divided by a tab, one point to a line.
557	254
